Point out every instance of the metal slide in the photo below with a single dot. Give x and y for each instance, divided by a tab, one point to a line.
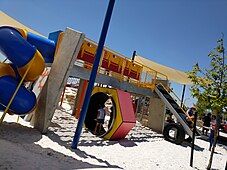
177	111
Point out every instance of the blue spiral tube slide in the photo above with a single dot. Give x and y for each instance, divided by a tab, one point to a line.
24	50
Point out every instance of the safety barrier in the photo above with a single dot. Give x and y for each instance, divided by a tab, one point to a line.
119	67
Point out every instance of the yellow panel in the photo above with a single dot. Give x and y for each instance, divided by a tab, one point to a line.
6	69
134	67
89	47
114	58
60	37
23	32
36	69
118	118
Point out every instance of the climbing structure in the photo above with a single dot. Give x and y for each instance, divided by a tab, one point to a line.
74	56
129	71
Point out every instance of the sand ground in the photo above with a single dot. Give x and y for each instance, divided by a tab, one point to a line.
24	148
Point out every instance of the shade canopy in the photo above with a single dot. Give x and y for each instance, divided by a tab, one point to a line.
172	74
9	21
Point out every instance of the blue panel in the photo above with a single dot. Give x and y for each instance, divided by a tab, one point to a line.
54	36
15	47
45	46
24	101
2	108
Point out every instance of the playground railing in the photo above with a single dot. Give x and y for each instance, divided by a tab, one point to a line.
119	66
177	100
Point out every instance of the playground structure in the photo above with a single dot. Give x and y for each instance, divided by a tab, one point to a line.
27	52
131	76
74	56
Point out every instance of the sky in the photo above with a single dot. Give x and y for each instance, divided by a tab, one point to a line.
175	33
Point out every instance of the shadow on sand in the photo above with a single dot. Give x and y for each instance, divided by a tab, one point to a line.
63	134
196	147
21	141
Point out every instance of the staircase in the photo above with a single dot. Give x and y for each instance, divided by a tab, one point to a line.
177	111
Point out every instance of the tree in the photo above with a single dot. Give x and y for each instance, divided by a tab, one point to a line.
210	86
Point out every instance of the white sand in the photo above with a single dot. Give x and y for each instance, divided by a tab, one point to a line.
22	147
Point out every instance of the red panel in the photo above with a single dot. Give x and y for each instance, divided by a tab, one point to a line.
122	131
126	106
112	66
86	56
131	74
79	56
89	57
115	68
105	63
134	75
126	71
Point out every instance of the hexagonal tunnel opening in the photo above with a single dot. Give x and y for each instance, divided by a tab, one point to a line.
97	100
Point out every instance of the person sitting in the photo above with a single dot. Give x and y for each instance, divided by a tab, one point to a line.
190	115
191	112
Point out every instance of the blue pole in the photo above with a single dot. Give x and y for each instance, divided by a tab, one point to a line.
93	74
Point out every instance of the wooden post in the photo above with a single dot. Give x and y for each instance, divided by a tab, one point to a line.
62	96
63	63
156	117
80	98
157	110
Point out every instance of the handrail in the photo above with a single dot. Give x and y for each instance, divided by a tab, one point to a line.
179	105
179	100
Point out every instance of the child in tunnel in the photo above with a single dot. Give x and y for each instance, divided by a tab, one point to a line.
100	119
102	112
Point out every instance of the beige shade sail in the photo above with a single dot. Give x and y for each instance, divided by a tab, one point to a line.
172	74
6	20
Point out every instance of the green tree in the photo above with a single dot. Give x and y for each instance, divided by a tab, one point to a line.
210	86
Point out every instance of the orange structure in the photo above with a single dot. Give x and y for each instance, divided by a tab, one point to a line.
110	62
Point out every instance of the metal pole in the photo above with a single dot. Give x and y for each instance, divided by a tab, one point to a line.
193	139
133	55
62	97
133	58
93	74
182	98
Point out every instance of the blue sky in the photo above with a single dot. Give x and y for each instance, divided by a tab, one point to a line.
175	33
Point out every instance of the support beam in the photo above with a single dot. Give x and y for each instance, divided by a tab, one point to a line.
61	67
156	117
182	97
83	73
79	98
133	55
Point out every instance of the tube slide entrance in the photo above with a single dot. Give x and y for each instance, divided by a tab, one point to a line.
104	100
121	119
